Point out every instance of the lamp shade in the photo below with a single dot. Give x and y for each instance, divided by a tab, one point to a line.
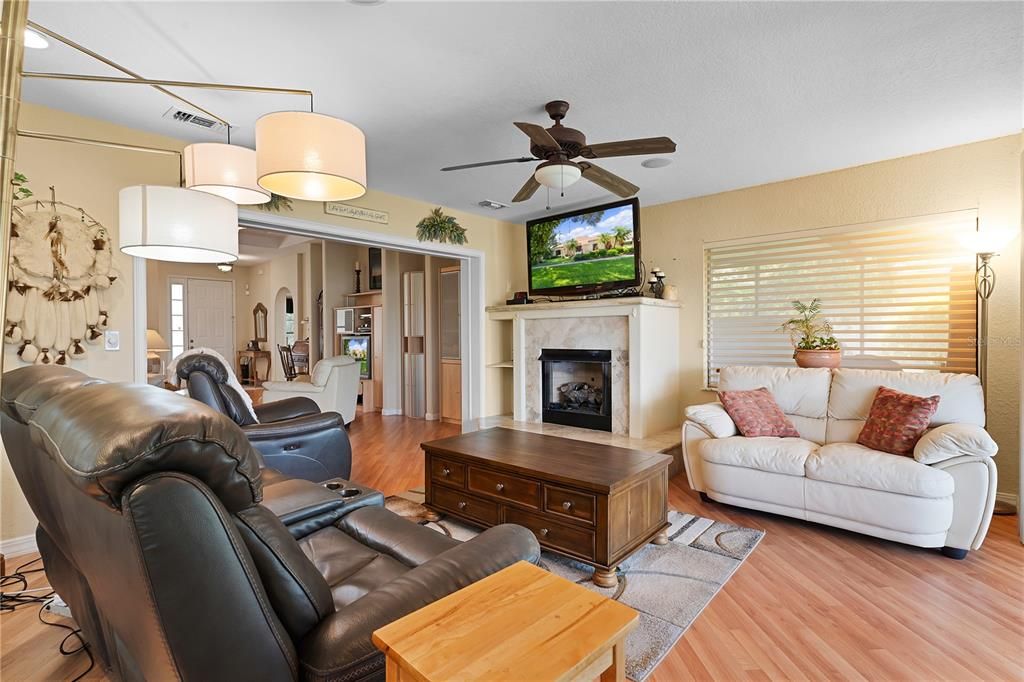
310	156
226	170
990	241
175	224
557	174
155	342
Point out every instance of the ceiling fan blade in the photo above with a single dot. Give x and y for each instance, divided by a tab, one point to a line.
647	145
464	166
610	181
540	136
527	190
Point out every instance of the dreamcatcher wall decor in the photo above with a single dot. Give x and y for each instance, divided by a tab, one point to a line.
60	267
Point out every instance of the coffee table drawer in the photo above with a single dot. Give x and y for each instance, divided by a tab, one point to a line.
504	487
570	503
470	506
555	534
447	471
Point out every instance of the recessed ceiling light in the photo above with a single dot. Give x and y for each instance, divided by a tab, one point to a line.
656	162
366	3
35	41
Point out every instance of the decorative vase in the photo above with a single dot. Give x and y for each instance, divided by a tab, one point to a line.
817	358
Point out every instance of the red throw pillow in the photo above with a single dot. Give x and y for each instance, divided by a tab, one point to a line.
896	421
757	414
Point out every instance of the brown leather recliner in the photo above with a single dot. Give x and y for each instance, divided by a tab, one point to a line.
151	528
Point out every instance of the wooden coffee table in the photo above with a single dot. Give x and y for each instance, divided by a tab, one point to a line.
521	623
596	503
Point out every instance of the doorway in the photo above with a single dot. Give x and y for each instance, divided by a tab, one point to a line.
201	315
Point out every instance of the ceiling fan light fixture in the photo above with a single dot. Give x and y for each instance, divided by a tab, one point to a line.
226	170
177	224
310	156
557	174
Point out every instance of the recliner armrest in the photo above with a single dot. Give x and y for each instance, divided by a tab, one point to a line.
291	387
342	642
954	440
294	427
289	408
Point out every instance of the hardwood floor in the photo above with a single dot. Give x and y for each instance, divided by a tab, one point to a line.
811	602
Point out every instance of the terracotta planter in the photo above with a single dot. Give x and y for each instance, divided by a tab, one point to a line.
817	358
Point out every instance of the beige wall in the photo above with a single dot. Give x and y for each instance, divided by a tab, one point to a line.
985	176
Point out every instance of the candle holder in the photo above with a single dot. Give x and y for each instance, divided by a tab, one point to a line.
358	272
657	282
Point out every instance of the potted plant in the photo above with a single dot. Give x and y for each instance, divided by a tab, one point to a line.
813	342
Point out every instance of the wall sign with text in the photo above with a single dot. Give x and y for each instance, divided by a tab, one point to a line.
358	212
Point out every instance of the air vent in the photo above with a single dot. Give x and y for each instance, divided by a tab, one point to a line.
493	205
188	118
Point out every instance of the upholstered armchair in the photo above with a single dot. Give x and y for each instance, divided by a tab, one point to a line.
333	385
152	528
294	436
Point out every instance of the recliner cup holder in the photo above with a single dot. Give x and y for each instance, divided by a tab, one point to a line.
334	485
350	492
338	487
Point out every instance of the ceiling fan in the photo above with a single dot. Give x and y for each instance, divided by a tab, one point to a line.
558	145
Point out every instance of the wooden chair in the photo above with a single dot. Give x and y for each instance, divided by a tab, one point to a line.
300	356
287	362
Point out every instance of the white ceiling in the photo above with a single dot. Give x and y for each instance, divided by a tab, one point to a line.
751	92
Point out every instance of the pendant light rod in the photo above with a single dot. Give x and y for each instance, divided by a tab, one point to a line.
36	135
114	65
171	83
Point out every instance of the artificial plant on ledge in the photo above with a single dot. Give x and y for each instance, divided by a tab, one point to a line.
438	227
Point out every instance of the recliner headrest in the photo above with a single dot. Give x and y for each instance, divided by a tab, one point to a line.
108	436
26	388
203	363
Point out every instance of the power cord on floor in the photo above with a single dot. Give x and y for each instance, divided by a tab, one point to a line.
11	599
72	632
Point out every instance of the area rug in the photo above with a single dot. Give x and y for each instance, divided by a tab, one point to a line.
669	585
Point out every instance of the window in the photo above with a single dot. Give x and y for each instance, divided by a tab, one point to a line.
177	318
899	294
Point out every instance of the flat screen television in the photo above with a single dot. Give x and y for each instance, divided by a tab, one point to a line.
585	251
358	348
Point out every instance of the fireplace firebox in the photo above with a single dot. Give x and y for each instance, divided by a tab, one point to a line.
577	388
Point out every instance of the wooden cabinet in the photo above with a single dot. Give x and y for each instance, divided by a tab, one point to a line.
451	391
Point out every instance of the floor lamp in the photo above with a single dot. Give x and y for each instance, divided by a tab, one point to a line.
987	245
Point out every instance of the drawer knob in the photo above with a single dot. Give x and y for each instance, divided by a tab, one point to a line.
446	471
567	505
499	487
462	505
544	532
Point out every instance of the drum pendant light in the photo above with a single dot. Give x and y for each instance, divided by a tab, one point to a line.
176	224
226	170
305	155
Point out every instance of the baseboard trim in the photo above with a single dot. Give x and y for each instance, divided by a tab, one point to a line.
391	412
15	547
1008	498
431	417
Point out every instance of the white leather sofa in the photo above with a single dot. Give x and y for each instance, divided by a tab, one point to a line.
942	497
333	386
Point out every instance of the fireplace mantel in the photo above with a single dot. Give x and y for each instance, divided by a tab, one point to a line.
644	331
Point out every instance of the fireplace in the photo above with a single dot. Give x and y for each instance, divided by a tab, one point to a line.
576	388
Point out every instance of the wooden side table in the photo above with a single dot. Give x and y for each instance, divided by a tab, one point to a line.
254	375
521	623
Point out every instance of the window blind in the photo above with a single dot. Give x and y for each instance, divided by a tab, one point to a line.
899	294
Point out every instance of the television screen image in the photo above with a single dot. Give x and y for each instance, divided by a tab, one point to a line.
358	348
595	249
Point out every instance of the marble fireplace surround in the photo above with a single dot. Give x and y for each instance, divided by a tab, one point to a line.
643	335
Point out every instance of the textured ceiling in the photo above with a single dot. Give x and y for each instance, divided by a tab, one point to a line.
751	92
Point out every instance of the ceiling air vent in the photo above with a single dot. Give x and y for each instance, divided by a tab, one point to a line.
493	205
191	119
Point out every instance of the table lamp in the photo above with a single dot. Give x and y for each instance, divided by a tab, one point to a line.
155	345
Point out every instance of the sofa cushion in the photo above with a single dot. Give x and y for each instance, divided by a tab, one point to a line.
896	421
860	467
798	391
756	413
853	391
777	455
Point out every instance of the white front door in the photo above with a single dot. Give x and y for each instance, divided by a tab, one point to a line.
211	316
